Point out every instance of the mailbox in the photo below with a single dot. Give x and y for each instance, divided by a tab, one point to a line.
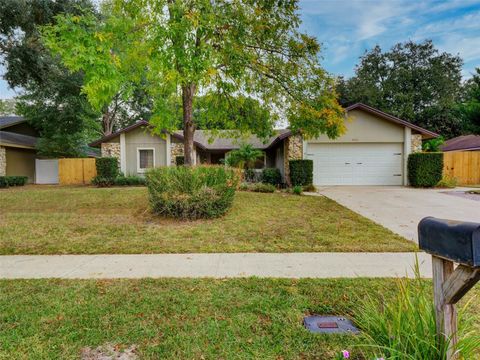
452	240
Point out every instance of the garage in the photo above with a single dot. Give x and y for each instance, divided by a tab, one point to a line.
356	163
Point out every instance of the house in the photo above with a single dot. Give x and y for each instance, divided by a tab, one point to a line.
373	151
462	143
17	147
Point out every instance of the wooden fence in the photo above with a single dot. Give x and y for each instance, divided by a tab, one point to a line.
462	165
76	171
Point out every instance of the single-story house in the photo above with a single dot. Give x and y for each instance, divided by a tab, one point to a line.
373	151
17	147
462	143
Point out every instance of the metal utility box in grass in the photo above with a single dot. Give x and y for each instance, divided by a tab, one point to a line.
450	242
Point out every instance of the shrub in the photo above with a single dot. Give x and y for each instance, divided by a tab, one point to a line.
107	167
447	181
433	145
130	180
180	160
191	192
6	181
102	181
271	176
310	188
297	190
250	175
404	328
261	187
301	172
425	169
243	186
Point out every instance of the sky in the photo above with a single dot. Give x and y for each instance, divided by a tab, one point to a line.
347	28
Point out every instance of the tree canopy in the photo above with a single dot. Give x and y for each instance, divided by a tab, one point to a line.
52	100
470	106
198	49
413	81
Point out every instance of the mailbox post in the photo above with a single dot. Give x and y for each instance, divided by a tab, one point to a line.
450	242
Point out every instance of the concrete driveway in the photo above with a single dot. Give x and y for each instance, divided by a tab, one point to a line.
401	208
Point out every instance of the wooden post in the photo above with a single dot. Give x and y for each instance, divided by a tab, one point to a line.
449	286
446	315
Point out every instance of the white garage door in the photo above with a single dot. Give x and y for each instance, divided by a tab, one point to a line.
356	164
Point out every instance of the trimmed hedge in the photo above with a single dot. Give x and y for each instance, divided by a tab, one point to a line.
191	192
107	167
271	176
425	169
301	172
7	181
107	171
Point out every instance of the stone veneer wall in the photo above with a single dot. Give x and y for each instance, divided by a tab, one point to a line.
416	143
176	149
3	161
293	150
111	150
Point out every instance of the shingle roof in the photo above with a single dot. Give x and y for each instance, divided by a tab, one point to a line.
229	139
465	142
7	121
10	138
221	140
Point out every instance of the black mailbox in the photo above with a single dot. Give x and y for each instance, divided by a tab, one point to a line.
452	240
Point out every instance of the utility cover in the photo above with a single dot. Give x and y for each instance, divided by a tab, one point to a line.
329	325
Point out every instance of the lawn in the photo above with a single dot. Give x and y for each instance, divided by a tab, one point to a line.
87	220
180	319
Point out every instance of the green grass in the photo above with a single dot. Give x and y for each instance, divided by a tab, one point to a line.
87	220
180	319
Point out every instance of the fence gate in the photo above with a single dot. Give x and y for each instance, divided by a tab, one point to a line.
46	171
76	171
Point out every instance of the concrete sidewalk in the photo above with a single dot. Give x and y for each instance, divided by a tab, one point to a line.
289	265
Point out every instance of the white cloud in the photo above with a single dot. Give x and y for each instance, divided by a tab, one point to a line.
348	28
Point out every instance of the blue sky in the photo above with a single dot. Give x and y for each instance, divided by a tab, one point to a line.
347	28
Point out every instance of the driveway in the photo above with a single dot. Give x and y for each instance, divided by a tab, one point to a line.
401	208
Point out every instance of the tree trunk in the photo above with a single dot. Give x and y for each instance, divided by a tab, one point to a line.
188	91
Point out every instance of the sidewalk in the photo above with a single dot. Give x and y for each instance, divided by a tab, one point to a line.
289	265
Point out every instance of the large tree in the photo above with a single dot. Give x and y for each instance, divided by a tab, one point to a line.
470	106
413	81
190	49
52	99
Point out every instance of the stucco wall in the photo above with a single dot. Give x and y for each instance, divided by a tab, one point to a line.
20	162
142	138
364	127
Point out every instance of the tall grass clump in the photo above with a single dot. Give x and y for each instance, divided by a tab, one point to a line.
191	192
403	328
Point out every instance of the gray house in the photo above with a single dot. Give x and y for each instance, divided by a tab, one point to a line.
373	150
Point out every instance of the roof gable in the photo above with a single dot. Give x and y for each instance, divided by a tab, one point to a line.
359	106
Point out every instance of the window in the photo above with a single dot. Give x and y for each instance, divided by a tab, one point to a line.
260	162
145	159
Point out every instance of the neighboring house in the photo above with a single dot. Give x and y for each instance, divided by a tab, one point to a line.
462	143
17	147
373	151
